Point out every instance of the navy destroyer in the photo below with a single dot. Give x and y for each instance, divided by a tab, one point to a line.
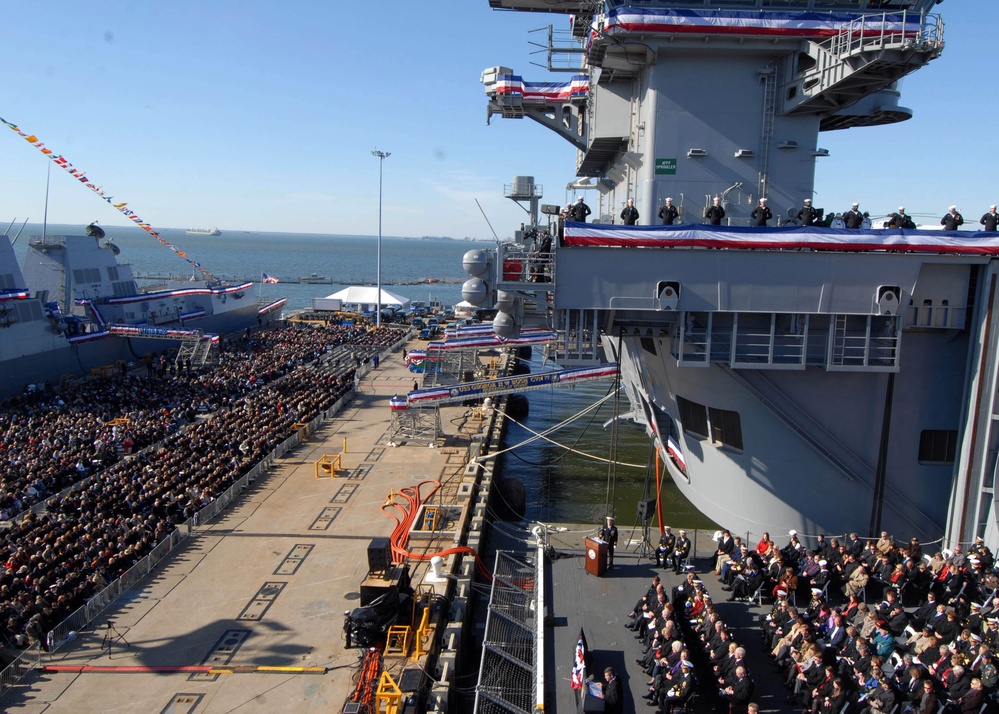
803	377
76	308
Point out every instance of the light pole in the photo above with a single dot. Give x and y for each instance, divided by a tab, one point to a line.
382	155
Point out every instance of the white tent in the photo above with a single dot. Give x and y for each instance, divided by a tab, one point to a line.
463	309
363	298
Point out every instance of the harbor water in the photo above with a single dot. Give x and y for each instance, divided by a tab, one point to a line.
572	480
561	485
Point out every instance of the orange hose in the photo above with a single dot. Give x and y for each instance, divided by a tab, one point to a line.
367	683
400	534
659	494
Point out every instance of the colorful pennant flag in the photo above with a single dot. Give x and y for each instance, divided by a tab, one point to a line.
270	279
122	207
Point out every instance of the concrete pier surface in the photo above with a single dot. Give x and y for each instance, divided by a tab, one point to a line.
260	593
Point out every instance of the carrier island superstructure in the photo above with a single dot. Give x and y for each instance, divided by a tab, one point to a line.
806	378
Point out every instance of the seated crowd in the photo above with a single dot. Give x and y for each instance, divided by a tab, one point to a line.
132	482
688	648
925	643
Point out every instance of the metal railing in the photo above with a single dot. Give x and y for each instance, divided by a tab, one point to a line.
507	680
868	33
869	36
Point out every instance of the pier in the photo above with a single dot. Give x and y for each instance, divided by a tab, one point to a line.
247	612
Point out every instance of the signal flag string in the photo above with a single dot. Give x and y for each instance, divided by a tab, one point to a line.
122	207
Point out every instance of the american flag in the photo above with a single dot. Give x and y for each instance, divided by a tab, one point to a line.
579	662
269	279
677	455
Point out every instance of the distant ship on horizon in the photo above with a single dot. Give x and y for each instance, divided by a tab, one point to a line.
213	231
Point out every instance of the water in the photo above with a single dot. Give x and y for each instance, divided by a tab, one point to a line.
566	487
407	265
560	486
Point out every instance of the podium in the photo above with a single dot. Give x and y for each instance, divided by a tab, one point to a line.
592	704
596	556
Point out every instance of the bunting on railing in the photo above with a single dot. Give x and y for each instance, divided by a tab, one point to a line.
121	206
788	23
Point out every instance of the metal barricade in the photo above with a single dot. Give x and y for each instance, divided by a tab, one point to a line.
25	662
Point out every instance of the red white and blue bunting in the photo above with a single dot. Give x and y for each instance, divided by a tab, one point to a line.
791	238
543	92
752	22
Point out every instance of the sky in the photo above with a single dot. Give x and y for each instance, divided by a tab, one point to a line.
258	115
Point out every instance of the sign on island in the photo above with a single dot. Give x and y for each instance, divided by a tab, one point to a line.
665	166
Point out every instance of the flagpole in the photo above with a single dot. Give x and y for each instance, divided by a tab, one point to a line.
382	155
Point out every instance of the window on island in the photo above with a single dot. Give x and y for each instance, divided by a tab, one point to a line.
937	446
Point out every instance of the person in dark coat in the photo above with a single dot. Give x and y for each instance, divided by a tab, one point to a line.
580	211
853	218
667	541
900	219
741	691
833	702
715	213
630	214
807	216
882	700
952	220
611	694
991	219
668	212
971	701
927	703
761	214
609	534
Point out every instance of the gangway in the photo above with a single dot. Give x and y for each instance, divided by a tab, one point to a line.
509	385
529	336
196	345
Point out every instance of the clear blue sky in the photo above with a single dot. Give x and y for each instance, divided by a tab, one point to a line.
261	116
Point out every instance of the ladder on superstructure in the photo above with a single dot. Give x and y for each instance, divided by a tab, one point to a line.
768	76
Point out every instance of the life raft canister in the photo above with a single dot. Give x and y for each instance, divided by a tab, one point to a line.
512	269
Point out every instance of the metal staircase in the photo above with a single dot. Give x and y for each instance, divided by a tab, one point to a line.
195	348
577	342
864	57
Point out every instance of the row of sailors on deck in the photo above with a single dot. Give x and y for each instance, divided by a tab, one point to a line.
761	216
